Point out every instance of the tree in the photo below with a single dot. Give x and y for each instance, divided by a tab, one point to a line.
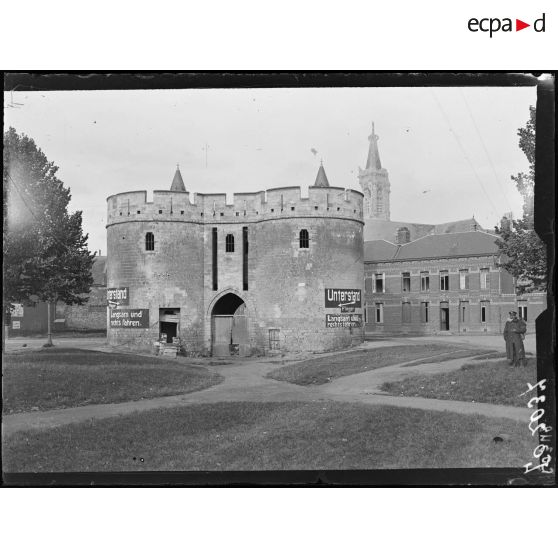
45	251
522	252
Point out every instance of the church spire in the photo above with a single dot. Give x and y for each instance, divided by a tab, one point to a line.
374	182
321	178
373	161
177	182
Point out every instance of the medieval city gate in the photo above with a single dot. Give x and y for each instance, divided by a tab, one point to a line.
229	327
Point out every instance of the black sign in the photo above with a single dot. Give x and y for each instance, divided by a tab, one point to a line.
347	309
338	298
118	296
137	318
343	320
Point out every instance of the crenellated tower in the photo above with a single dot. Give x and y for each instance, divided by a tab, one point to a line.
374	182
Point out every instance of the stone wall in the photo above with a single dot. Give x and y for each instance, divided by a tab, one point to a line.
286	283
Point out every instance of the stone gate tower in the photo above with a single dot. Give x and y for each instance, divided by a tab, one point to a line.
374	182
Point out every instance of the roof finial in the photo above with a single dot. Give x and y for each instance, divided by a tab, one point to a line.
321	162
177	166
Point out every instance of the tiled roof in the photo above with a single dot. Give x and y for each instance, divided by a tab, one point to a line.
380	229
99	270
177	182
465	225
379	250
449	245
321	178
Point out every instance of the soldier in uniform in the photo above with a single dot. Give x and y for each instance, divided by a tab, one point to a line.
517	333
507	339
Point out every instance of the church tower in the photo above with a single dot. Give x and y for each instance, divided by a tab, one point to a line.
374	182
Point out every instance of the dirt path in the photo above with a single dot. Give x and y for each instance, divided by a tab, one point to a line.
247	382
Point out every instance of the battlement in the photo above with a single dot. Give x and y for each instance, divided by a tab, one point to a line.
274	203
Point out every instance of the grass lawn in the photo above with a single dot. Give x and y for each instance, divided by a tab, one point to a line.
57	378
462	353
325	369
487	382
496	354
266	436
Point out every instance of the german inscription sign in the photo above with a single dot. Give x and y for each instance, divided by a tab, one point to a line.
118	296
137	318
343	320
339	298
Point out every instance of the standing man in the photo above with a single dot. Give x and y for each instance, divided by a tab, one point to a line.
517	333
507	339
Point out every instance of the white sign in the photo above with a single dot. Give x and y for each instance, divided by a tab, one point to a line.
17	311
16	325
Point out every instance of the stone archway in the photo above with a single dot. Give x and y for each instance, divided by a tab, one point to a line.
229	327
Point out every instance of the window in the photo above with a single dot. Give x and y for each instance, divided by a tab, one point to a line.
522	310
150	241
304	239
274	339
463	279
424	281
406	282
379	283
424	309
368	284
406	312
379	314
229	243
444	281
485	278
484	312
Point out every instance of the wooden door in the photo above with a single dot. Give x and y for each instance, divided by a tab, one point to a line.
444	319
222	335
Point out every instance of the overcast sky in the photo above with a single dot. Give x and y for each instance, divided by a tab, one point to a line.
449	152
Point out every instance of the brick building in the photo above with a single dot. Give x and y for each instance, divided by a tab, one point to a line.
442	283
91	316
425	278
247	275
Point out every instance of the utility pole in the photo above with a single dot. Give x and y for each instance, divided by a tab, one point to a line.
206	149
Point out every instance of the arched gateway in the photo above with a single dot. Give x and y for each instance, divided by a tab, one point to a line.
229	327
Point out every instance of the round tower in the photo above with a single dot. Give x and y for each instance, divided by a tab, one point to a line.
246	277
155	257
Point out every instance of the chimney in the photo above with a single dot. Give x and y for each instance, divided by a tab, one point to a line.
505	224
403	235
